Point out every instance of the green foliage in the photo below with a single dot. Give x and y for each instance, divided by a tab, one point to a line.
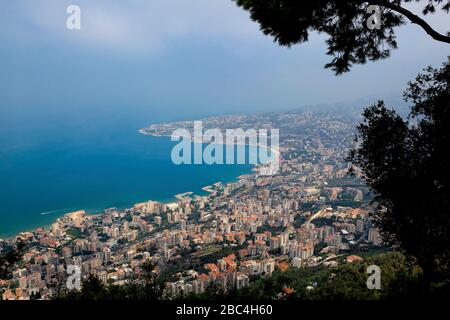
405	163
147	271
94	290
9	258
75	233
399	277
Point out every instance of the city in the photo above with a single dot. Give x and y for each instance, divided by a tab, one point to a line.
229	158
310	213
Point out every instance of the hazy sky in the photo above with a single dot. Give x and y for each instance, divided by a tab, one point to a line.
179	56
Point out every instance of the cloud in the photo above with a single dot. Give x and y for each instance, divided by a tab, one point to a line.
134	25
141	26
208	52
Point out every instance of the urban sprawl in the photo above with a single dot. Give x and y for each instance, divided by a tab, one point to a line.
311	212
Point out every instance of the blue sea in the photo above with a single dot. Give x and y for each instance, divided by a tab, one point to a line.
51	166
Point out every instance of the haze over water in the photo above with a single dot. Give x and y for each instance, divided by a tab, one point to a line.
48	168
71	101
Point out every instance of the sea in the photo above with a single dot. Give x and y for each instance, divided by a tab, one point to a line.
50	166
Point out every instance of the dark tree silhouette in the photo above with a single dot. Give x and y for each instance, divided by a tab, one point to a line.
406	164
147	271
345	22
92	288
9	258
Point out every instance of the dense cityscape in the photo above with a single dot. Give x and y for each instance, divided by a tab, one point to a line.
224	159
310	213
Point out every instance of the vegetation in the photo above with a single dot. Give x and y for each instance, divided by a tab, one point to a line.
401	277
350	41
75	233
406	165
8	258
404	162
93	289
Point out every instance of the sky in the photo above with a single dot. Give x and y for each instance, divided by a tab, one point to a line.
180	58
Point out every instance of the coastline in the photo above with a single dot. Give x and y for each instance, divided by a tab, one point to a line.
165	201
142	131
202	191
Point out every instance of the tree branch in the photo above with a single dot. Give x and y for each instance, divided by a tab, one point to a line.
414	19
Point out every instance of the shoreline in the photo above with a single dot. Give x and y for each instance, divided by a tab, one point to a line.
223	143
171	200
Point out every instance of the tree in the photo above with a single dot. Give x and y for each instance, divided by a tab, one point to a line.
9	258
350	40
147	272
405	163
93	288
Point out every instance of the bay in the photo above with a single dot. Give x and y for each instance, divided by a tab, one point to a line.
49	168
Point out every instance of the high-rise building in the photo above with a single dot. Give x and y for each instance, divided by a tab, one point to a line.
359	225
374	237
